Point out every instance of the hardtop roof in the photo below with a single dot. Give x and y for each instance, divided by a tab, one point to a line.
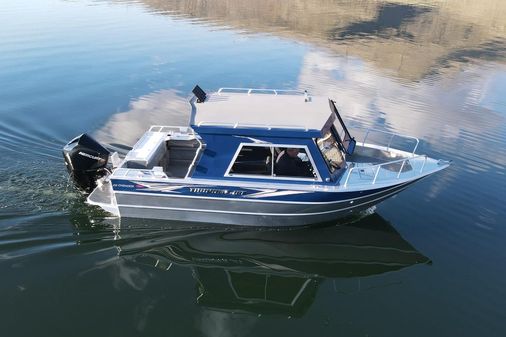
225	111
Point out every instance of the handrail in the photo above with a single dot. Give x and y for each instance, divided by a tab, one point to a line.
124	172
192	165
247	125
392	136
183	129
378	166
250	91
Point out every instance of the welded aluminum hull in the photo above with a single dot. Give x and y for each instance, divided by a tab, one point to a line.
170	204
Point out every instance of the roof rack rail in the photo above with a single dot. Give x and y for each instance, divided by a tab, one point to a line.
256	126
250	91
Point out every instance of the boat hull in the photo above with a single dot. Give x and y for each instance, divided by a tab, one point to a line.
247	211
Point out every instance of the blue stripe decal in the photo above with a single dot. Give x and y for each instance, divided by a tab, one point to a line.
238	192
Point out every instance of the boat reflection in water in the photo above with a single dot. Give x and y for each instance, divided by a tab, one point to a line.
242	270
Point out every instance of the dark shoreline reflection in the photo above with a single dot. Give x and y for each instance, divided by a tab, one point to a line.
413	40
257	271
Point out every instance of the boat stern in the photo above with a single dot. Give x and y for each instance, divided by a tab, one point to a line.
103	196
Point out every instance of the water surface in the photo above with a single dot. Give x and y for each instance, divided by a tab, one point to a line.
427	262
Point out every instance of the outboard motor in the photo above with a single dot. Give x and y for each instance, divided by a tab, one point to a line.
86	161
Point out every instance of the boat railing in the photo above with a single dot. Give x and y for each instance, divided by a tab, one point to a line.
195	158
393	136
376	168
171	128
157	173
250	91
252	126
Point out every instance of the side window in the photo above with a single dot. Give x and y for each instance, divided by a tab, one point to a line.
293	162
255	160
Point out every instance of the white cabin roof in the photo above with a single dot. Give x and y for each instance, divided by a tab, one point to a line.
268	109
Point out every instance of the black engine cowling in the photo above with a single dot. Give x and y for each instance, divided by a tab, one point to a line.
86	161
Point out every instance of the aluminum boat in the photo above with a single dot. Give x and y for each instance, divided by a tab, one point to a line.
259	157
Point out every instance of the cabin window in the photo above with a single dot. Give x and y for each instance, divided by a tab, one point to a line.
255	160
276	161
331	152
293	162
281	290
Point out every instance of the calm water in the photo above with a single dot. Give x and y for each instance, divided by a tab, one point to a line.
430	262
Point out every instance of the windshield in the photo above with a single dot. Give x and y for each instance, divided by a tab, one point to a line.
329	148
347	141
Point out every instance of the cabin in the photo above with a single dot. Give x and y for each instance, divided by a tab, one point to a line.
243	134
247	131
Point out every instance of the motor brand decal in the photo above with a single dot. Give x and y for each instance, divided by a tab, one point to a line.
87	155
